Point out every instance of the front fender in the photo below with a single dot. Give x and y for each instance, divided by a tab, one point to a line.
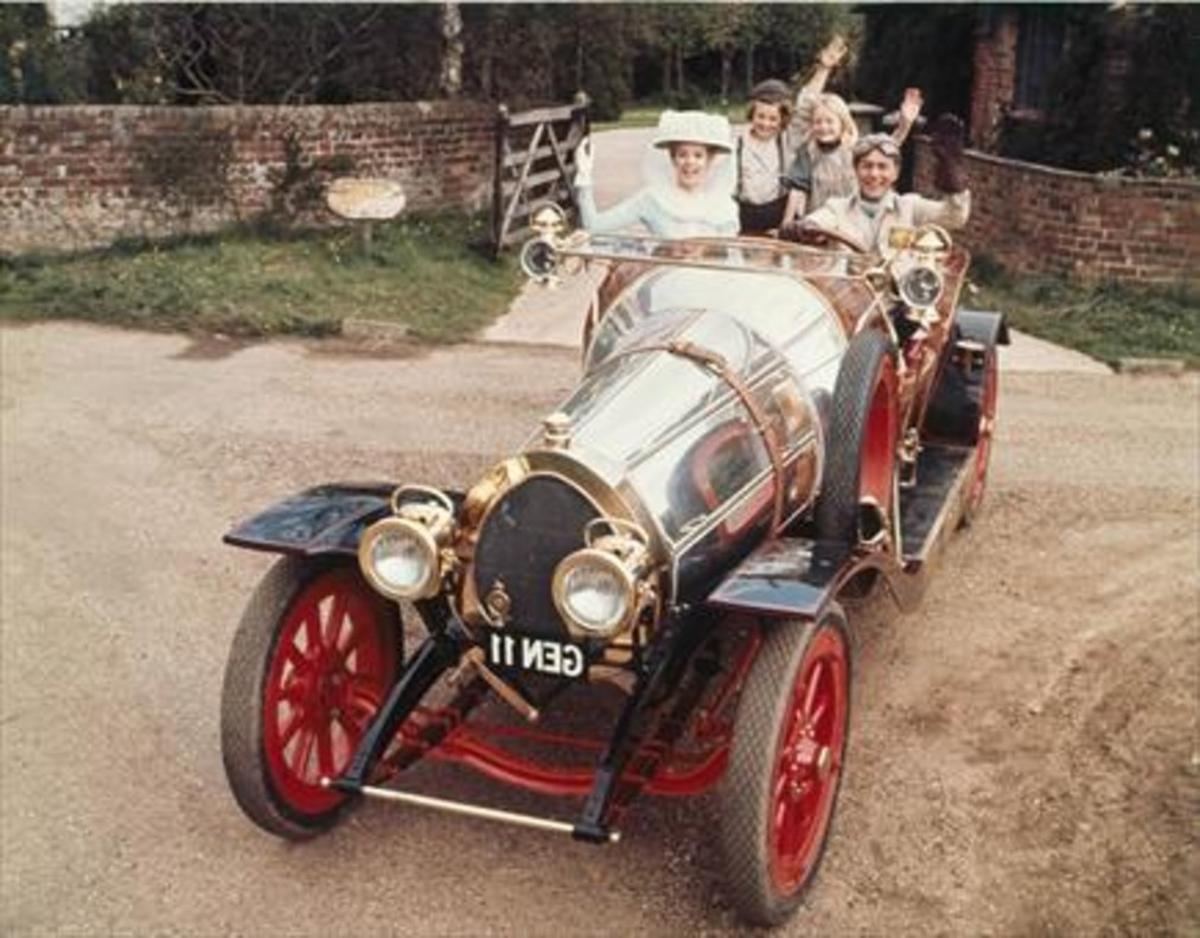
328	519
986	327
791	577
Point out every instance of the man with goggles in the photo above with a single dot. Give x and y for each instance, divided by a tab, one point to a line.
868	216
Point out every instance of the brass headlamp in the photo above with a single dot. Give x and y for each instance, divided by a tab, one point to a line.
601	589
406	555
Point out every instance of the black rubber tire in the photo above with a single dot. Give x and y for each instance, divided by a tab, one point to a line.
253	649
837	510
745	791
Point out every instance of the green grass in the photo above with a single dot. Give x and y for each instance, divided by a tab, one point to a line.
1107	320
424	272
646	115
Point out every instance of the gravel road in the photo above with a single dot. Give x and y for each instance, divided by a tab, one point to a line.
1024	751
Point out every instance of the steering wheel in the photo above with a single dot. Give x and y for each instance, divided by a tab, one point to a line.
817	237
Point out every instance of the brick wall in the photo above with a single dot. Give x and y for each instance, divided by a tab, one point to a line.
995	69
1035	219
82	176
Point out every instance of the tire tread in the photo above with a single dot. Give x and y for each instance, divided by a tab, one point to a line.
744	792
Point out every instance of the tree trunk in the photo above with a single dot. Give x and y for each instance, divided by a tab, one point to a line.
666	73
749	68
726	74
487	62
679	69
450	83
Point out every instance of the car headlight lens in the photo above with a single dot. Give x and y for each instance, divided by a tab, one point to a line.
920	287
594	592
399	557
400	560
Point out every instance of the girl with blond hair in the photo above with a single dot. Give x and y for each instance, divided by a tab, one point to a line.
824	164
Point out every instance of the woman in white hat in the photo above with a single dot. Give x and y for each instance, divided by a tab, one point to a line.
689	182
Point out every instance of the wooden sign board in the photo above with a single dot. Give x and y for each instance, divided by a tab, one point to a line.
365	199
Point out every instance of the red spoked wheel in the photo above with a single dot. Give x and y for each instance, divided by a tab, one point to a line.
785	766
860	463
315	654
988	396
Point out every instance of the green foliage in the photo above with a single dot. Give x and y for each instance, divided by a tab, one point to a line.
35	67
421	271
122	47
520	53
1105	320
1146	123
299	187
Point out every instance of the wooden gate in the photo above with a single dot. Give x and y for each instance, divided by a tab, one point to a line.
535	163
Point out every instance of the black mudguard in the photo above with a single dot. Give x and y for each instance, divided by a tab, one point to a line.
328	519
791	577
980	326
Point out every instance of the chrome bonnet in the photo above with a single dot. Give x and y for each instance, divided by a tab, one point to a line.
670	442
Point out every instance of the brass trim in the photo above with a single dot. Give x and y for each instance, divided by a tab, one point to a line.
474	658
716	363
506	475
471	810
437	494
429	586
902	279
679	257
629	583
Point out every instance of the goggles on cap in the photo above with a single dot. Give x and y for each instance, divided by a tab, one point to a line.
881	142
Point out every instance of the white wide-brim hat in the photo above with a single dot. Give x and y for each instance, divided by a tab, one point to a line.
710	130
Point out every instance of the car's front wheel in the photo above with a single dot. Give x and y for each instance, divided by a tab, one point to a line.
860	458
311	662
785	766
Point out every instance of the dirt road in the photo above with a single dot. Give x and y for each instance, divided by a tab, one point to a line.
1024	753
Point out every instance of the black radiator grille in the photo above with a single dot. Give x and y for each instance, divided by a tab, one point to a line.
533	527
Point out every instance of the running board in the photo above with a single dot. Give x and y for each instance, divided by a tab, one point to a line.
471	810
929	506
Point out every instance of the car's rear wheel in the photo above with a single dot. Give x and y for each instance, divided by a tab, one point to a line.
860	456
785	766
312	659
962	412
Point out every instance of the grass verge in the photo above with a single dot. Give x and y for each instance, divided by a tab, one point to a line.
422	272
646	115
1107	321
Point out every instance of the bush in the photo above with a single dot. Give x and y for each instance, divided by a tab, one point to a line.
1143	125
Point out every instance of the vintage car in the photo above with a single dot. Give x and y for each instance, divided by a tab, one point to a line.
760	430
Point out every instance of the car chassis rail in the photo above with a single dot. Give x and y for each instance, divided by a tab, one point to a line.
630	761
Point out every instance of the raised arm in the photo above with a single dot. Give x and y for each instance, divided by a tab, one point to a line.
910	110
827	60
951	212
622	215
949	175
798	182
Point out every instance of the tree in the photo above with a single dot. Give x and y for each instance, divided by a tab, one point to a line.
452	50
930	46
35	66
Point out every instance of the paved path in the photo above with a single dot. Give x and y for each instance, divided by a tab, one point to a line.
542	315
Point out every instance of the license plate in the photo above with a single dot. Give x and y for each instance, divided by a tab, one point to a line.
532	653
